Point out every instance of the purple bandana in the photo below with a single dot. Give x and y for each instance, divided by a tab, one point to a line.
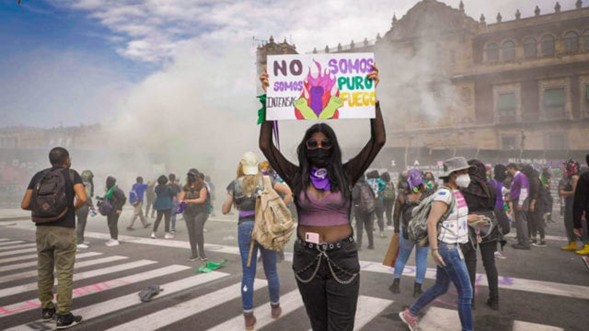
320	179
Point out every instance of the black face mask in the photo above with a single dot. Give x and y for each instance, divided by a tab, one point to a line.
191	179
319	157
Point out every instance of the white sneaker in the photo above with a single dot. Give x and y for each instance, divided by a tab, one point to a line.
390	227
168	236
82	246
153	236
112	242
500	256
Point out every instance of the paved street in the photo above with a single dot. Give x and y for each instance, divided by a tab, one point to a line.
541	289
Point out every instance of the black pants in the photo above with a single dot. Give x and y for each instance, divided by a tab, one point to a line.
167	214
388	210
488	255
536	223
82	216
330	304
195	224
113	225
364	221
379	213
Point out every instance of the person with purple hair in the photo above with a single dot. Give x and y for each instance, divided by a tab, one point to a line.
407	201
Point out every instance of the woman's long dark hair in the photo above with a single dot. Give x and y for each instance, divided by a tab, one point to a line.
337	177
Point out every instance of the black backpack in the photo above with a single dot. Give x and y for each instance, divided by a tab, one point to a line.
364	198
49	201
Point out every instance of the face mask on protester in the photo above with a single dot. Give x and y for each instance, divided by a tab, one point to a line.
463	181
191	179
319	157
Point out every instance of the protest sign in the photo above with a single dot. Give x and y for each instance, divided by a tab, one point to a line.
320	86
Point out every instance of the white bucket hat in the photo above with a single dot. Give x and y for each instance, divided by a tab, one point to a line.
454	164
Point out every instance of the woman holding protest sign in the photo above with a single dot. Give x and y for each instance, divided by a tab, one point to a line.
325	260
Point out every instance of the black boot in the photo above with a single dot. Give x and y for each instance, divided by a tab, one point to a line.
417	290
493	303
395	286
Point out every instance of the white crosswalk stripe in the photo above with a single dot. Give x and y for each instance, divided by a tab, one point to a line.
18	258
19	251
5	243
33	273
4	239
19	246
34	263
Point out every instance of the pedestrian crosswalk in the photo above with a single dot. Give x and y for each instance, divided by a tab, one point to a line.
106	286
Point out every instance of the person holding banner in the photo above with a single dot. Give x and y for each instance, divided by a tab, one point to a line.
325	258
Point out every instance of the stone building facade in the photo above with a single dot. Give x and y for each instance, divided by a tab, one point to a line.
453	85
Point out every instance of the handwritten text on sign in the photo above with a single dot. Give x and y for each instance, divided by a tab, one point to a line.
320	86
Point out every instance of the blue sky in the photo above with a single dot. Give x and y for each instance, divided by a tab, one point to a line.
72	62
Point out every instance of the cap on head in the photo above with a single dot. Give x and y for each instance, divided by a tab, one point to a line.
249	163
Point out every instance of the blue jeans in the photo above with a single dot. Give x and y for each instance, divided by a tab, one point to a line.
455	271
244	237
405	248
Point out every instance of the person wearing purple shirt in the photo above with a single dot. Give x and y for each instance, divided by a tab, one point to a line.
519	197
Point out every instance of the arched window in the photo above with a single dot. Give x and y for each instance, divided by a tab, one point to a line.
530	48
547	45
508	51
571	41
586	37
492	52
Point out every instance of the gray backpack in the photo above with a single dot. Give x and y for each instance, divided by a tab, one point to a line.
417	228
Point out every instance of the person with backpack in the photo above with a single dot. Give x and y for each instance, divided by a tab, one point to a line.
325	259
388	198
136	200
242	193
481	199
117	199
163	206
446	229
83	212
378	186
363	202
194	194
407	201
53	195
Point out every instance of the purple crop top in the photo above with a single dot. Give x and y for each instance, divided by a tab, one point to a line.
328	211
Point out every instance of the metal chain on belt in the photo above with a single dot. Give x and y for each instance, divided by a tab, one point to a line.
329	264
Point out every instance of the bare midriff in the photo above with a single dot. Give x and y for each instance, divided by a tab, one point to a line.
327	233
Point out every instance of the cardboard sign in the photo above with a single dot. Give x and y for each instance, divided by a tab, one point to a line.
320	86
